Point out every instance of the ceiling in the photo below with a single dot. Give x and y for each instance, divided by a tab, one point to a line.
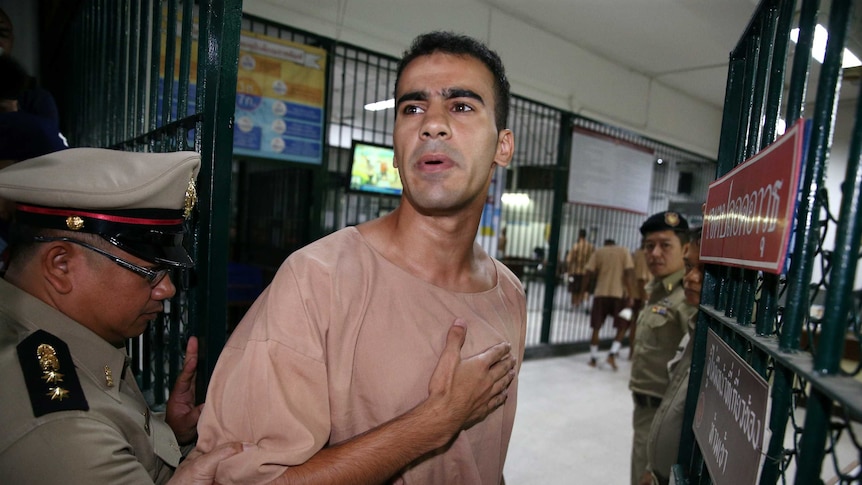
683	44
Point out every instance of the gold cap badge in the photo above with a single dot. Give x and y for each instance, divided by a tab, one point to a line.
191	198
671	219
75	223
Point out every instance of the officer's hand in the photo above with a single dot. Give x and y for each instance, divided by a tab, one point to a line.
199	468
181	413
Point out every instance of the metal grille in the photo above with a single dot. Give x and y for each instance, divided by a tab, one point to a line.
358	77
549	223
119	52
793	331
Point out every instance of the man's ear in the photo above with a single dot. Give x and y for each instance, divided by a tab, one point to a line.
505	148
57	266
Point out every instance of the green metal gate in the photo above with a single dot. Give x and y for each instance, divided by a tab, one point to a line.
772	322
134	81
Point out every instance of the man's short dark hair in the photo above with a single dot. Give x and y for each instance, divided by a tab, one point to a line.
462	45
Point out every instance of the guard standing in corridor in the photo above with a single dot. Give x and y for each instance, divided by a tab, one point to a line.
661	325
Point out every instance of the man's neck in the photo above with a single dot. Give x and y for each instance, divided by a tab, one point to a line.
439	250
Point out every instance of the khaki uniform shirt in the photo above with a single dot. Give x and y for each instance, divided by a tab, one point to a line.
342	341
661	325
609	264
663	441
106	434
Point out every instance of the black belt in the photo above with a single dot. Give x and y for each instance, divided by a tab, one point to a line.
646	401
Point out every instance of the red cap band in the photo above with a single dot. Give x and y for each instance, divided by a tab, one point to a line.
94	215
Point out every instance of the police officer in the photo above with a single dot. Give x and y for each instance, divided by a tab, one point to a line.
96	235
661	325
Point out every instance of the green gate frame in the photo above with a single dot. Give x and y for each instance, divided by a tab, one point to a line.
115	61
744	307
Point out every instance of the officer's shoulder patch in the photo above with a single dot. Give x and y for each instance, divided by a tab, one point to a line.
50	374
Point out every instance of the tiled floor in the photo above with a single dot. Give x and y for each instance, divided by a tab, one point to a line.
573	424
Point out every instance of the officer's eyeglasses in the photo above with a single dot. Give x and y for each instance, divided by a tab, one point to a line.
153	276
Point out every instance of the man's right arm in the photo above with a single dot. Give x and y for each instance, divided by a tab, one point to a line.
462	392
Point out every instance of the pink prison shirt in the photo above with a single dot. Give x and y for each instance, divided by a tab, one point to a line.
342	341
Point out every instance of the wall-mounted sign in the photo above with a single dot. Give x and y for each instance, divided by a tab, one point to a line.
730	420
750	211
609	173
280	93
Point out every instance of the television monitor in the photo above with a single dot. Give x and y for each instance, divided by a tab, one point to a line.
372	171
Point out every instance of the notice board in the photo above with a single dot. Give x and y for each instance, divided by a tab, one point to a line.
609	173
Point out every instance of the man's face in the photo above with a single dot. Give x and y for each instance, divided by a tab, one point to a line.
693	280
446	141
116	303
664	253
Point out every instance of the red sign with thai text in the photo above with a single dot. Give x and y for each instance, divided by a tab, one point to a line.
749	211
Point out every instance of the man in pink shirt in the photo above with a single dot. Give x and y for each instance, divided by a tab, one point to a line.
348	368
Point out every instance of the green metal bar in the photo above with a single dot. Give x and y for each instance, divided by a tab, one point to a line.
564	155
734	290
830	348
688	452
782	385
807	224
780	33
762	55
175	347
155	60
185	69
122	48
170	57
220	22
844	259
133	41
139	95
782	399
114	88
801	58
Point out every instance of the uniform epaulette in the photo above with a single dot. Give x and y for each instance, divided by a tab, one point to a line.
50	374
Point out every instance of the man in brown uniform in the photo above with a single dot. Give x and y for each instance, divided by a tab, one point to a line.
661	325
328	371
576	267
612	268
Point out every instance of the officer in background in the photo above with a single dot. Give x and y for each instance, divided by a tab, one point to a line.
662	323
96	235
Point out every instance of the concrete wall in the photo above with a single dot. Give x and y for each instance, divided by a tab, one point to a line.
541	67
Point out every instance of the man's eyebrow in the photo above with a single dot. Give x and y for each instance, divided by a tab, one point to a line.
412	96
452	93
449	93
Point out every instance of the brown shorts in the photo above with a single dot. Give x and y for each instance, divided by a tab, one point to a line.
604	306
576	283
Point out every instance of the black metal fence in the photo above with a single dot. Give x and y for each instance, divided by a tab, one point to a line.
160	75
